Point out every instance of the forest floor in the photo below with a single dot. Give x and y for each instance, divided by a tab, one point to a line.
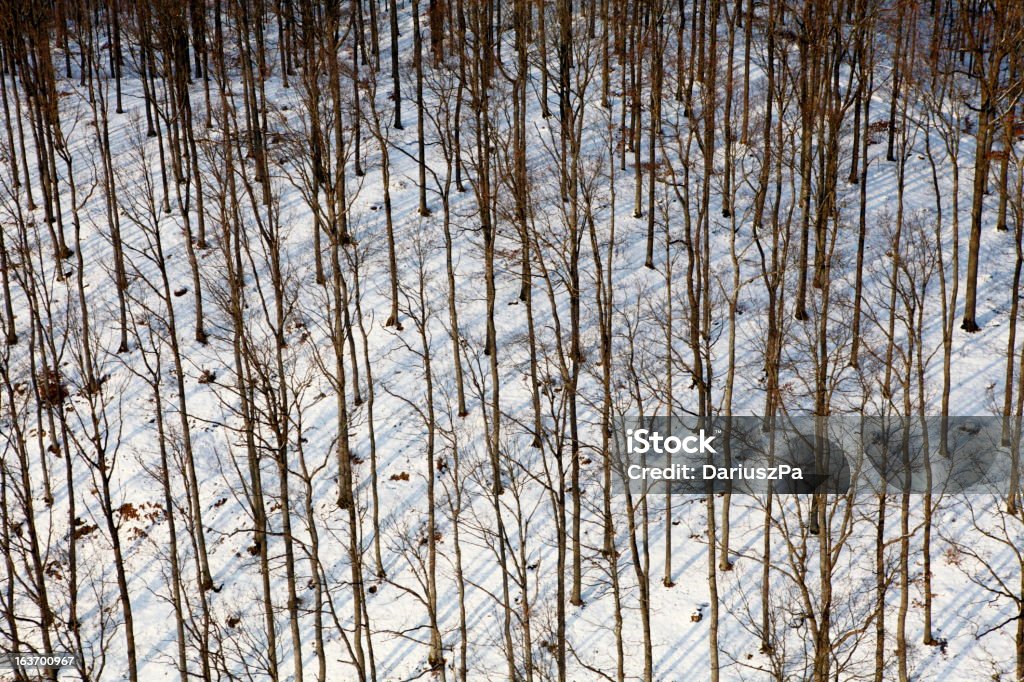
965	605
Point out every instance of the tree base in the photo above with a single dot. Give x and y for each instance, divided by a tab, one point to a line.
970	326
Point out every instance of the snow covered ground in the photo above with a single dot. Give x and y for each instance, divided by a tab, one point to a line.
975	547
